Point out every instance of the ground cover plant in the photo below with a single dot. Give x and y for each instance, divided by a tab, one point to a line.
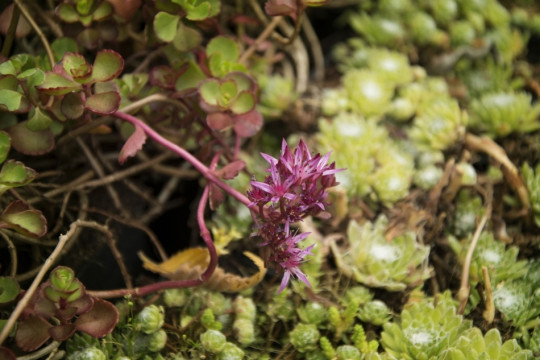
275	180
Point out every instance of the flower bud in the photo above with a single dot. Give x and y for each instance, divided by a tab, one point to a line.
91	353
231	352
213	341
244	330
157	340
150	319
347	352
175	297
304	337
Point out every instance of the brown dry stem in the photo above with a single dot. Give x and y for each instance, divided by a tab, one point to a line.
510	172
464	290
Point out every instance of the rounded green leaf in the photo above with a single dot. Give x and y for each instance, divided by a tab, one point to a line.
38	120
62	277
244	102
107	65
67	13
17	216
210	91
186	38
30	142
10	99
9	289
14	173
200	12
8	68
224	45
103	103
76	66
165	26
72	105
103	11
5	144
190	77
55	84
33	77
63	45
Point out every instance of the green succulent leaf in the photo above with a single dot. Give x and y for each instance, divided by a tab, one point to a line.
84	6
33	77
72	105
224	45
197	10
9	289
243	103
210	91
15	174
63	45
62	277
77	67
165	26
38	120
10	99
5	145
55	84
19	217
103	11
186	38
107	65
8	68
30	142
190	77
103	103
67	13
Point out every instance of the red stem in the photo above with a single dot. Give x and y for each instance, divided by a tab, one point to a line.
203	169
148	289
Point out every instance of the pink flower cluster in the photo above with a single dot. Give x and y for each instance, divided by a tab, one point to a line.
296	188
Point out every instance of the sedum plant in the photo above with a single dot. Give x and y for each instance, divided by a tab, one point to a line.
474	345
61	307
375	164
425	329
499	114
438	125
501	262
532	180
372	260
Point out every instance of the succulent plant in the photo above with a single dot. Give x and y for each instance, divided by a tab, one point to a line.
532	180
438	125
369	92
375	312
59	308
304	337
213	341
518	301
378	30
379	166
150	319
501	113
424	330
373	260
469	208
473	345
501	262
393	66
